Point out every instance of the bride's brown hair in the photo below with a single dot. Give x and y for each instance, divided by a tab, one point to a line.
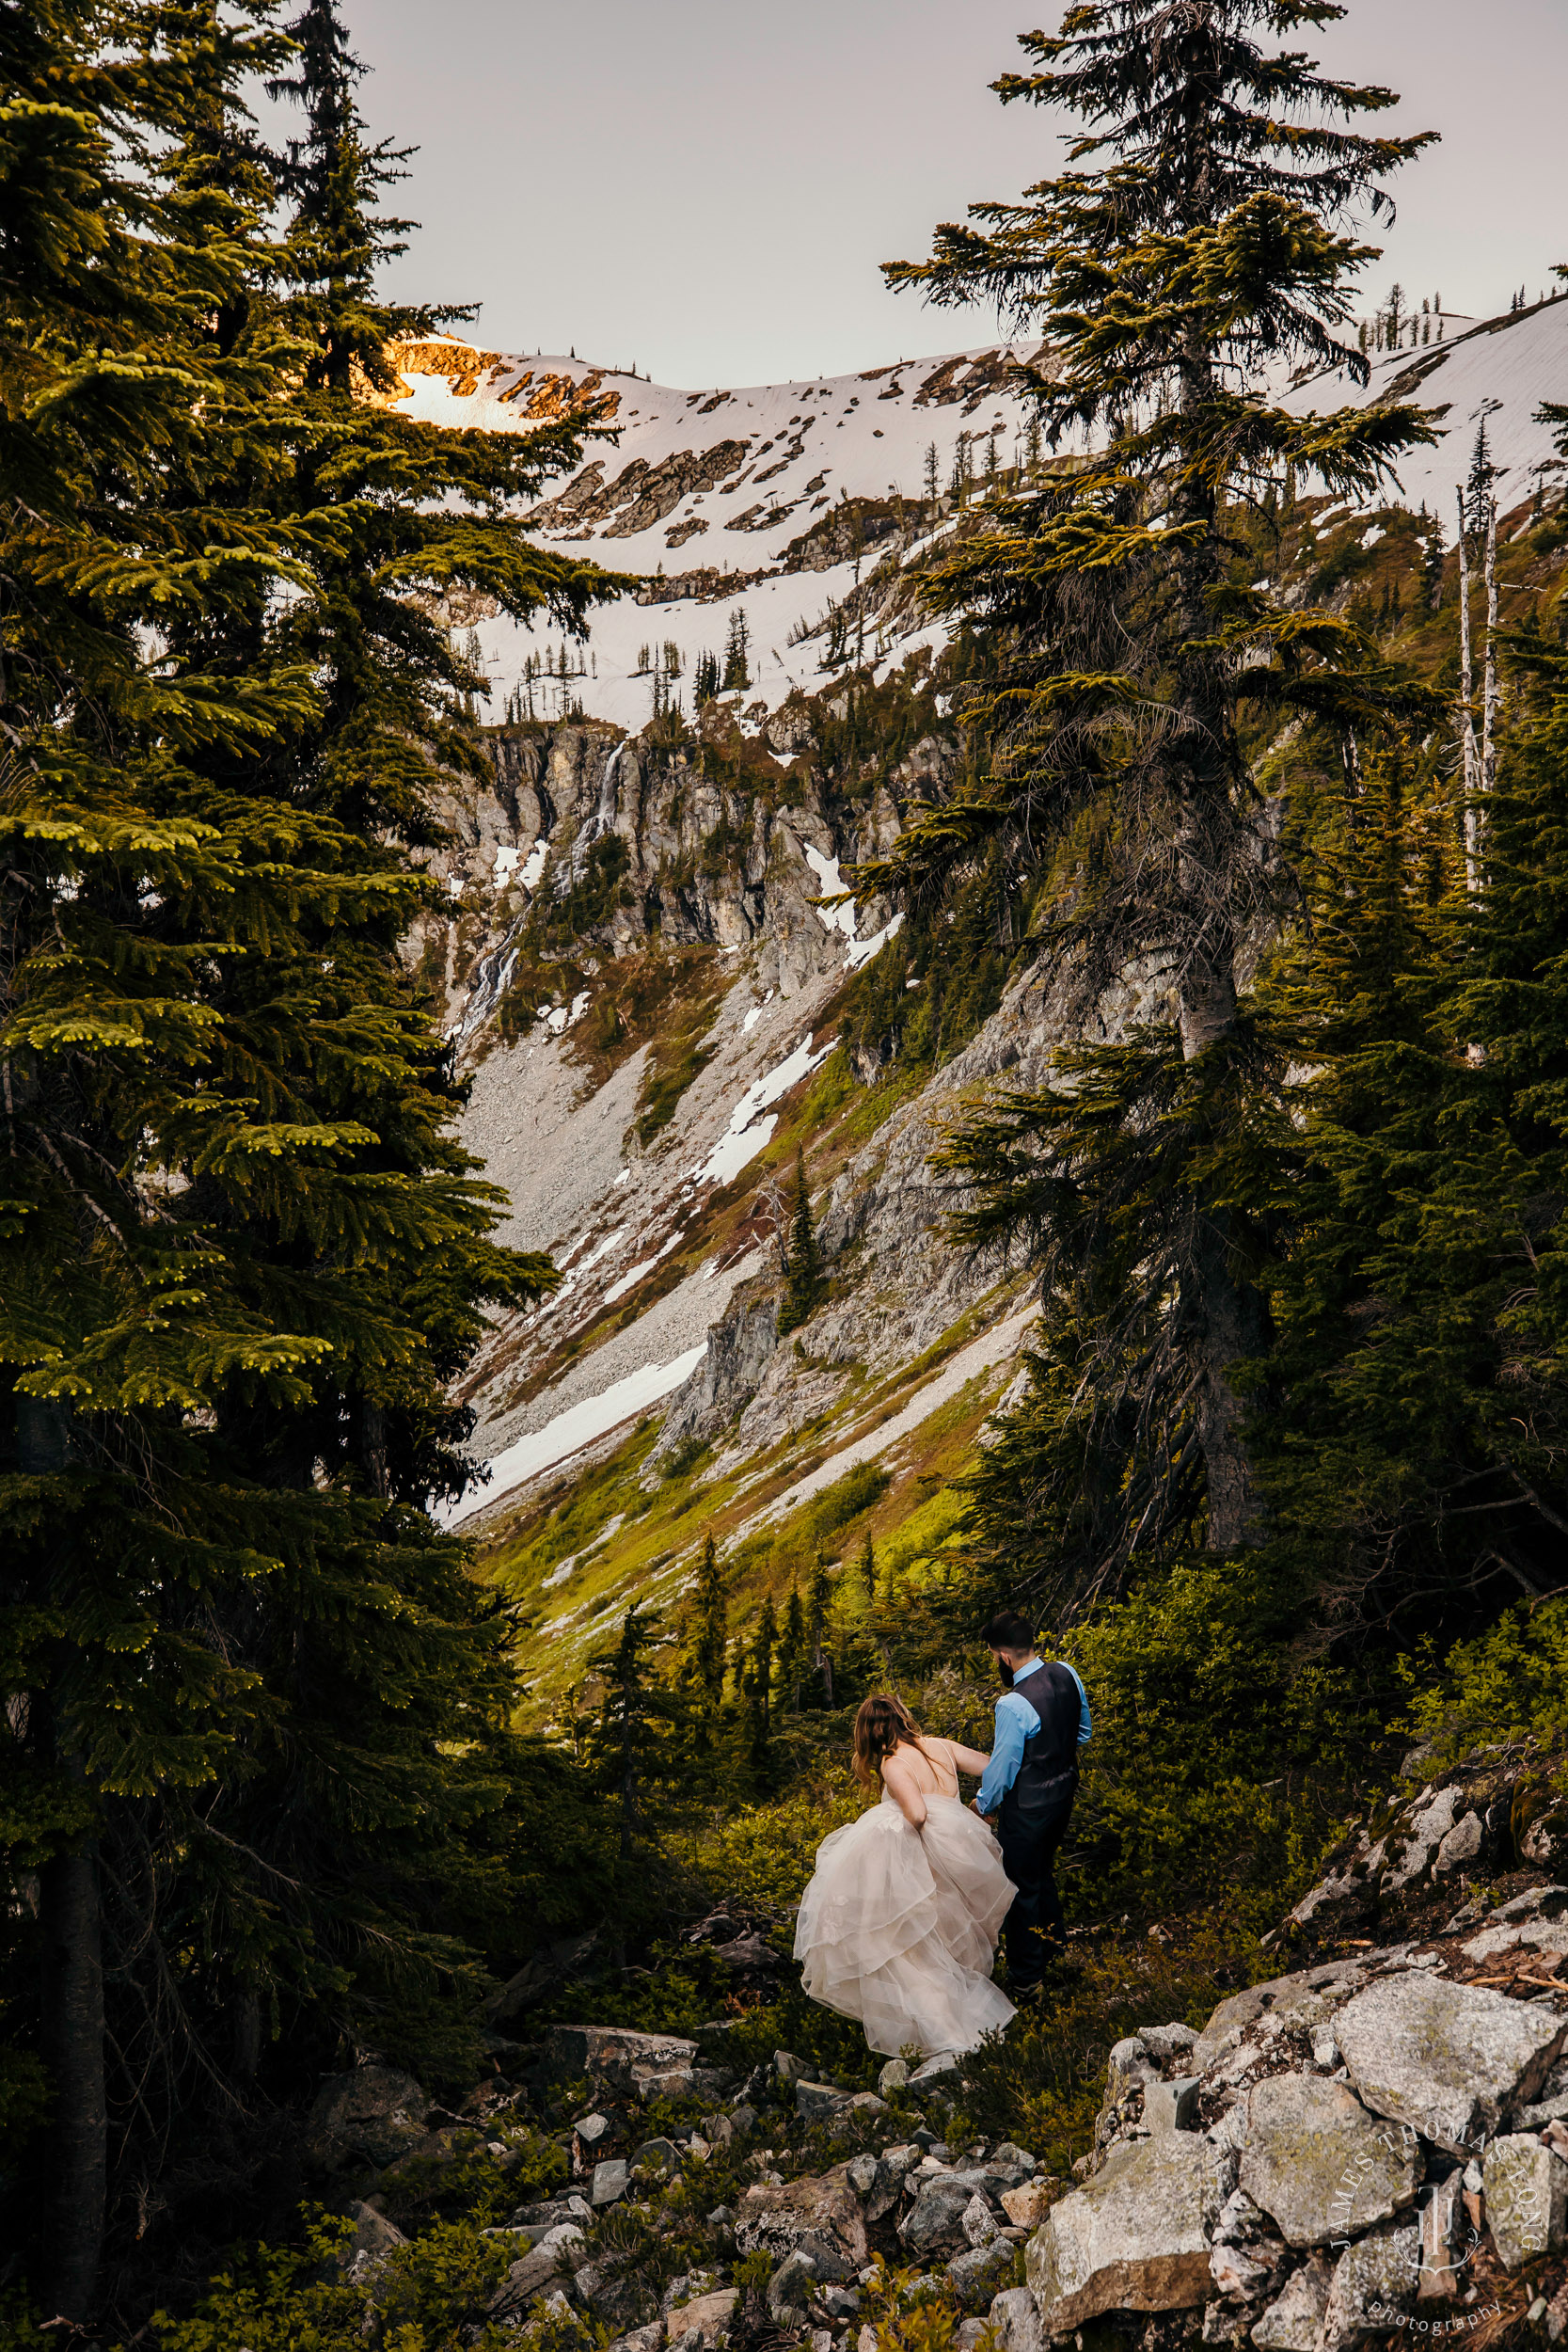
882	1724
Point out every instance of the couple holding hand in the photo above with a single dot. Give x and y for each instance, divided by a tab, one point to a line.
898	1926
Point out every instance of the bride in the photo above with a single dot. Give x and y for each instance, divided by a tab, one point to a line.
898	1925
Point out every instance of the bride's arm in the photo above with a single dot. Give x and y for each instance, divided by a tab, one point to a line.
968	1759
906	1791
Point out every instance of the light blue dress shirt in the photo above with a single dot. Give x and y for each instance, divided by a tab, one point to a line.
1015	1722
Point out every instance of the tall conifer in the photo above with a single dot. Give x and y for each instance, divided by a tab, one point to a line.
243	1255
1194	255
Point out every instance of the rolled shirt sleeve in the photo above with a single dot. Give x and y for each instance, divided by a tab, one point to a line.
1015	1720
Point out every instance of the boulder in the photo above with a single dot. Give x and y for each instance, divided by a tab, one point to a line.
373	2116
817	2101
790	2069
936	2217
641	2339
976	2274
1527	2199
537	2275
1015	2320
1463	1843
711	2314
1243	2274
609	2053
1167	2042
652	2079
1135	2238
1448	2059
657	2155
1373	2288
1320	2165
611	2179
614	2293
1294	2319
374	2236
789	2290
1171	2107
937	2072
977	2223
893	2076
590	2131
821	2215
1028	2205
1302	1999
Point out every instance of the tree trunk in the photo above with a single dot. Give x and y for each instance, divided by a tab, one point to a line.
1467	717
77	2144
71	1991
1489	709
1231	1319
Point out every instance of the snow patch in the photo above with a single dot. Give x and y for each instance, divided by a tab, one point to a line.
839	919
533	865
570	1430
506	864
747	1131
861	950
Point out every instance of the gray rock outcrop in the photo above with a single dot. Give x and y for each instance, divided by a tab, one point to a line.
372	2116
1525	2186
1447	2059
1320	2165
1136	2238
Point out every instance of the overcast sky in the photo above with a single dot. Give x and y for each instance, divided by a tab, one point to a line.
705	188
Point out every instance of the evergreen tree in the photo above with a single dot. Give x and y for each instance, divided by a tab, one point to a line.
818	1619
932	478
1420	1311
803	1261
793	1651
712	1629
737	675
1199	248
760	1687
244	1256
705	681
867	1564
626	1744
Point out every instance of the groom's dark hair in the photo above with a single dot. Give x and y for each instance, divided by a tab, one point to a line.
1008	1631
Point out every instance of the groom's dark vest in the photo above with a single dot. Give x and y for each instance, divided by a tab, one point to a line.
1049	1772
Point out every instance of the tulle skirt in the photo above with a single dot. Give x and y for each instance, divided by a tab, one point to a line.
899	1927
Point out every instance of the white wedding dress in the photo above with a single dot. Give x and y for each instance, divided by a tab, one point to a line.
899	1927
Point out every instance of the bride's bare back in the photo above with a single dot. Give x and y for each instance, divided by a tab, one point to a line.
926	1768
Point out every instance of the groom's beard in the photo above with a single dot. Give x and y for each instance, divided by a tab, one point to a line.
1004	1674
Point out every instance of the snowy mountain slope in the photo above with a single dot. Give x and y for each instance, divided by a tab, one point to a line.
711	489
710	495
662	1245
1501	369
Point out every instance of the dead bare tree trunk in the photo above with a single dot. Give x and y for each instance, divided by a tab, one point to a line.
1489	714
1466	715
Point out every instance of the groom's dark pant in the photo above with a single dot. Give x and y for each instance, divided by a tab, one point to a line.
1034	1931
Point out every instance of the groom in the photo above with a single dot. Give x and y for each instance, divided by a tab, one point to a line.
1042	1720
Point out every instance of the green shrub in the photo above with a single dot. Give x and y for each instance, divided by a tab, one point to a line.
1509	1683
